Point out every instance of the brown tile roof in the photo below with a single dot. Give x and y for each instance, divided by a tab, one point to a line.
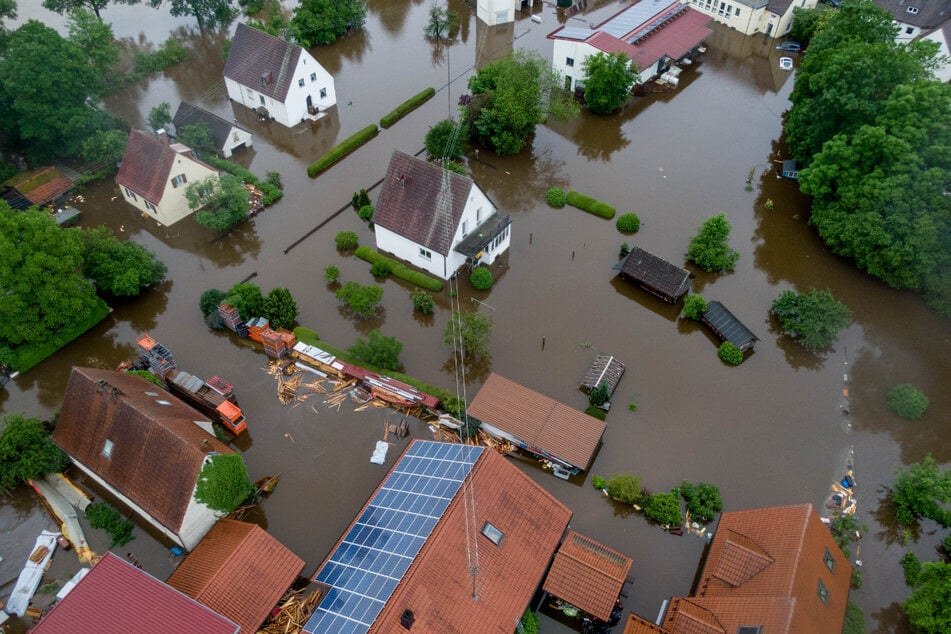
411	204
157	449
588	575
438	587
639	625
656	274
146	166
686	617
541	422
41	185
239	571
254	54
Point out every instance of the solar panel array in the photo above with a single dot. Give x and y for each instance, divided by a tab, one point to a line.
625	22
575	33
376	552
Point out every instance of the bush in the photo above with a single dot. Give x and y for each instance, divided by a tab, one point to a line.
339	152
347	240
378	350
703	500
331	274
400	270
598	482
709	249
625	248
362	300
530	623
274	178
360	199
270	194
694	307
596	412
146	63
664	508
223	483
210	300
911	566
599	395
366	213
730	353
454	406
407	107
423	302
481	278
380	269
279	308
444	142
625	487
148	376
26	451
854	620
247	300
556	197
907	401
628	222
589	204
814	319
104	517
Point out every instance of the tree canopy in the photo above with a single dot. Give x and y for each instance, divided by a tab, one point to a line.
26	451
223	483
468	331
160	116
209	13
279	308
921	490
608	81
95	6
814	318
319	22
444	140
929	606
709	249
221	201
119	268
378	350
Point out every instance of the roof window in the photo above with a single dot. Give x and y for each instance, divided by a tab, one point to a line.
912	10
495	535
107	449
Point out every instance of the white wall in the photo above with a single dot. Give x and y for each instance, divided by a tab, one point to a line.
575	50
407	250
943	72
494	12
236	138
173	206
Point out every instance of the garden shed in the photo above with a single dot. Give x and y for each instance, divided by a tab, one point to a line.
588	575
655	275
727	327
605	369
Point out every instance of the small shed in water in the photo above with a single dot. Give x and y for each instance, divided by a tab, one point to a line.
727	327
605	369
588	575
35	187
655	275
790	169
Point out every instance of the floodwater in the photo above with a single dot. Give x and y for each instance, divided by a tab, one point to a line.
771	431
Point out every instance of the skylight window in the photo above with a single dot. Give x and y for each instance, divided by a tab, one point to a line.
912	10
495	535
107	449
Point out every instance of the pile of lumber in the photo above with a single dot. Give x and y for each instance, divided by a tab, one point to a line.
293	614
287	388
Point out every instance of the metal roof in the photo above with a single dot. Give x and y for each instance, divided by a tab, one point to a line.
575	33
727	326
633	17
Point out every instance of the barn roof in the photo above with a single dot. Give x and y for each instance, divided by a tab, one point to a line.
657	275
727	326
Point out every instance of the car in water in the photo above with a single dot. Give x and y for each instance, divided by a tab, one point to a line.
792	47
786	63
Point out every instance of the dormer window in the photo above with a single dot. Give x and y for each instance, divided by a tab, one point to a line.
823	592
495	535
107	449
265	78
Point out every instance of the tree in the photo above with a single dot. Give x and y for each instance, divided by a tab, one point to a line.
444	140
625	487
198	137
247	299
331	274
808	22
119	268
814	318
609	78
279	308
347	240
222	201
599	395
423	302
105	147
468	331
442	23
730	353
920	491
63	7
209	13
665	509
907	401
703	500
26	451
210	299
379	350
709	249
161	116
361	300
8	11
694	306
929	606
319	22
223	483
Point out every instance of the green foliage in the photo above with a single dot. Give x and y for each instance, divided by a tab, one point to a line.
221	201
814	319
709	249
347	240
279	308
454	406
929	606
247	299
49	588
380	269
694	306
273	177
609	78
443	141
470	331
407	107
703	500
455	167
360	199
808	22
556	197
730	353
911	566
270	194
122	269
664	508
530	623
481	278
342	149
907	401
223	483
595	412
366	213
26	451
104	147
423	302
160	116
320	22
845	529
146	62
270	187
598	482
148	376
854	620
625	487
210	299
104	517
599	395
400	270
625	248
210	14
25	356
855	582
589	204
921	491
361	300
442	23
378	350
628	223
198	137
331	274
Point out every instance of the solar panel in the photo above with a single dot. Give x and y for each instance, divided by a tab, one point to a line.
368	564
575	33
639	13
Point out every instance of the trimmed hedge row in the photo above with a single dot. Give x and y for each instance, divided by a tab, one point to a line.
344	148
271	192
400	270
589	204
407	107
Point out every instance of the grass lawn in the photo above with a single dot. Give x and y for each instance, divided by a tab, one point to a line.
28	356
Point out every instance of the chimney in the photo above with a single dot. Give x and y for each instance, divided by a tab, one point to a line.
407	619
162	135
402	180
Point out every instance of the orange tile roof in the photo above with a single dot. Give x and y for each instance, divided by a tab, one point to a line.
41	185
639	625
239	571
588	575
741	560
541	422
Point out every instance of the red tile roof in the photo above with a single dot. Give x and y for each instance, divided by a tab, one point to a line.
239	571
41	185
588	575
146	166
675	39
254	54
118	598
639	625
541	422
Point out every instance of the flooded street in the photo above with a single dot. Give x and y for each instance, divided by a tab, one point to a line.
771	431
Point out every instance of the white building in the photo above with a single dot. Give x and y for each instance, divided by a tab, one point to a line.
494	12
227	136
772	17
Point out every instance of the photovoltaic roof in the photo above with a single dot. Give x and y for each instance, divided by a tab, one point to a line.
575	33
367	565
636	15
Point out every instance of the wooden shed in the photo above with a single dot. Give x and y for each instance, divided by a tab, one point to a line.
605	369
655	275
727	327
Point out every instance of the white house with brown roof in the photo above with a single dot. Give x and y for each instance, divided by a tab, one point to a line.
772	17
154	173
437	220
226	135
141	444
263	71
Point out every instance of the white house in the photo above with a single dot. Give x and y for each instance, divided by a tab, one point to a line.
142	445
436	219
154	173
942	35
494	12
226	135
916	17
276	78
772	17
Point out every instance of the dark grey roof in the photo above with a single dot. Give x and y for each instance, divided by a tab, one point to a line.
255	55
657	275
727	326
483	235
779	7
188	114
925	14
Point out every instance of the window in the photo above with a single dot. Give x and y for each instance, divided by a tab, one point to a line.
313	76
737	11
465	228
425	254
569	61
479	214
912	10
323	93
300	82
909	30
250	93
151	207
823	592
495	535
107	449
262	100
829	560
179	180
130	194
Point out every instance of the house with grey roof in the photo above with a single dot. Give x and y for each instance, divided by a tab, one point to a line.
437	220
227	136
915	18
278	79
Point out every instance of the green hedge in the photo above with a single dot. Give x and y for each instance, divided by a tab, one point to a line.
340	151
591	205
400	270
407	107
28	356
271	193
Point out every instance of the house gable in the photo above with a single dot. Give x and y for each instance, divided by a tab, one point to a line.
146	166
262	62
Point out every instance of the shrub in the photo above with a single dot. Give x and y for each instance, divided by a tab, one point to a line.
360	199
423	302
223	483
854	620
274	178
703	500
210	299
481	278
907	401
407	107
530	623
270	194
104	517
922	491
400	270
694	307
628	223
589	204
456	167
709	249
26	451
625	487
347	240
366	213
380	269
911	566
664	508
148	376
595	412
444	141
598	482
556	197
362	300
279	308
339	152
625	248
599	395
378	350
730	353
454	406
331	274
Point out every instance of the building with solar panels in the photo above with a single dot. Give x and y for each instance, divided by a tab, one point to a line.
455	539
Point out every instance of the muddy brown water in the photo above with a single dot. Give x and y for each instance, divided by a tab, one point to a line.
771	431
